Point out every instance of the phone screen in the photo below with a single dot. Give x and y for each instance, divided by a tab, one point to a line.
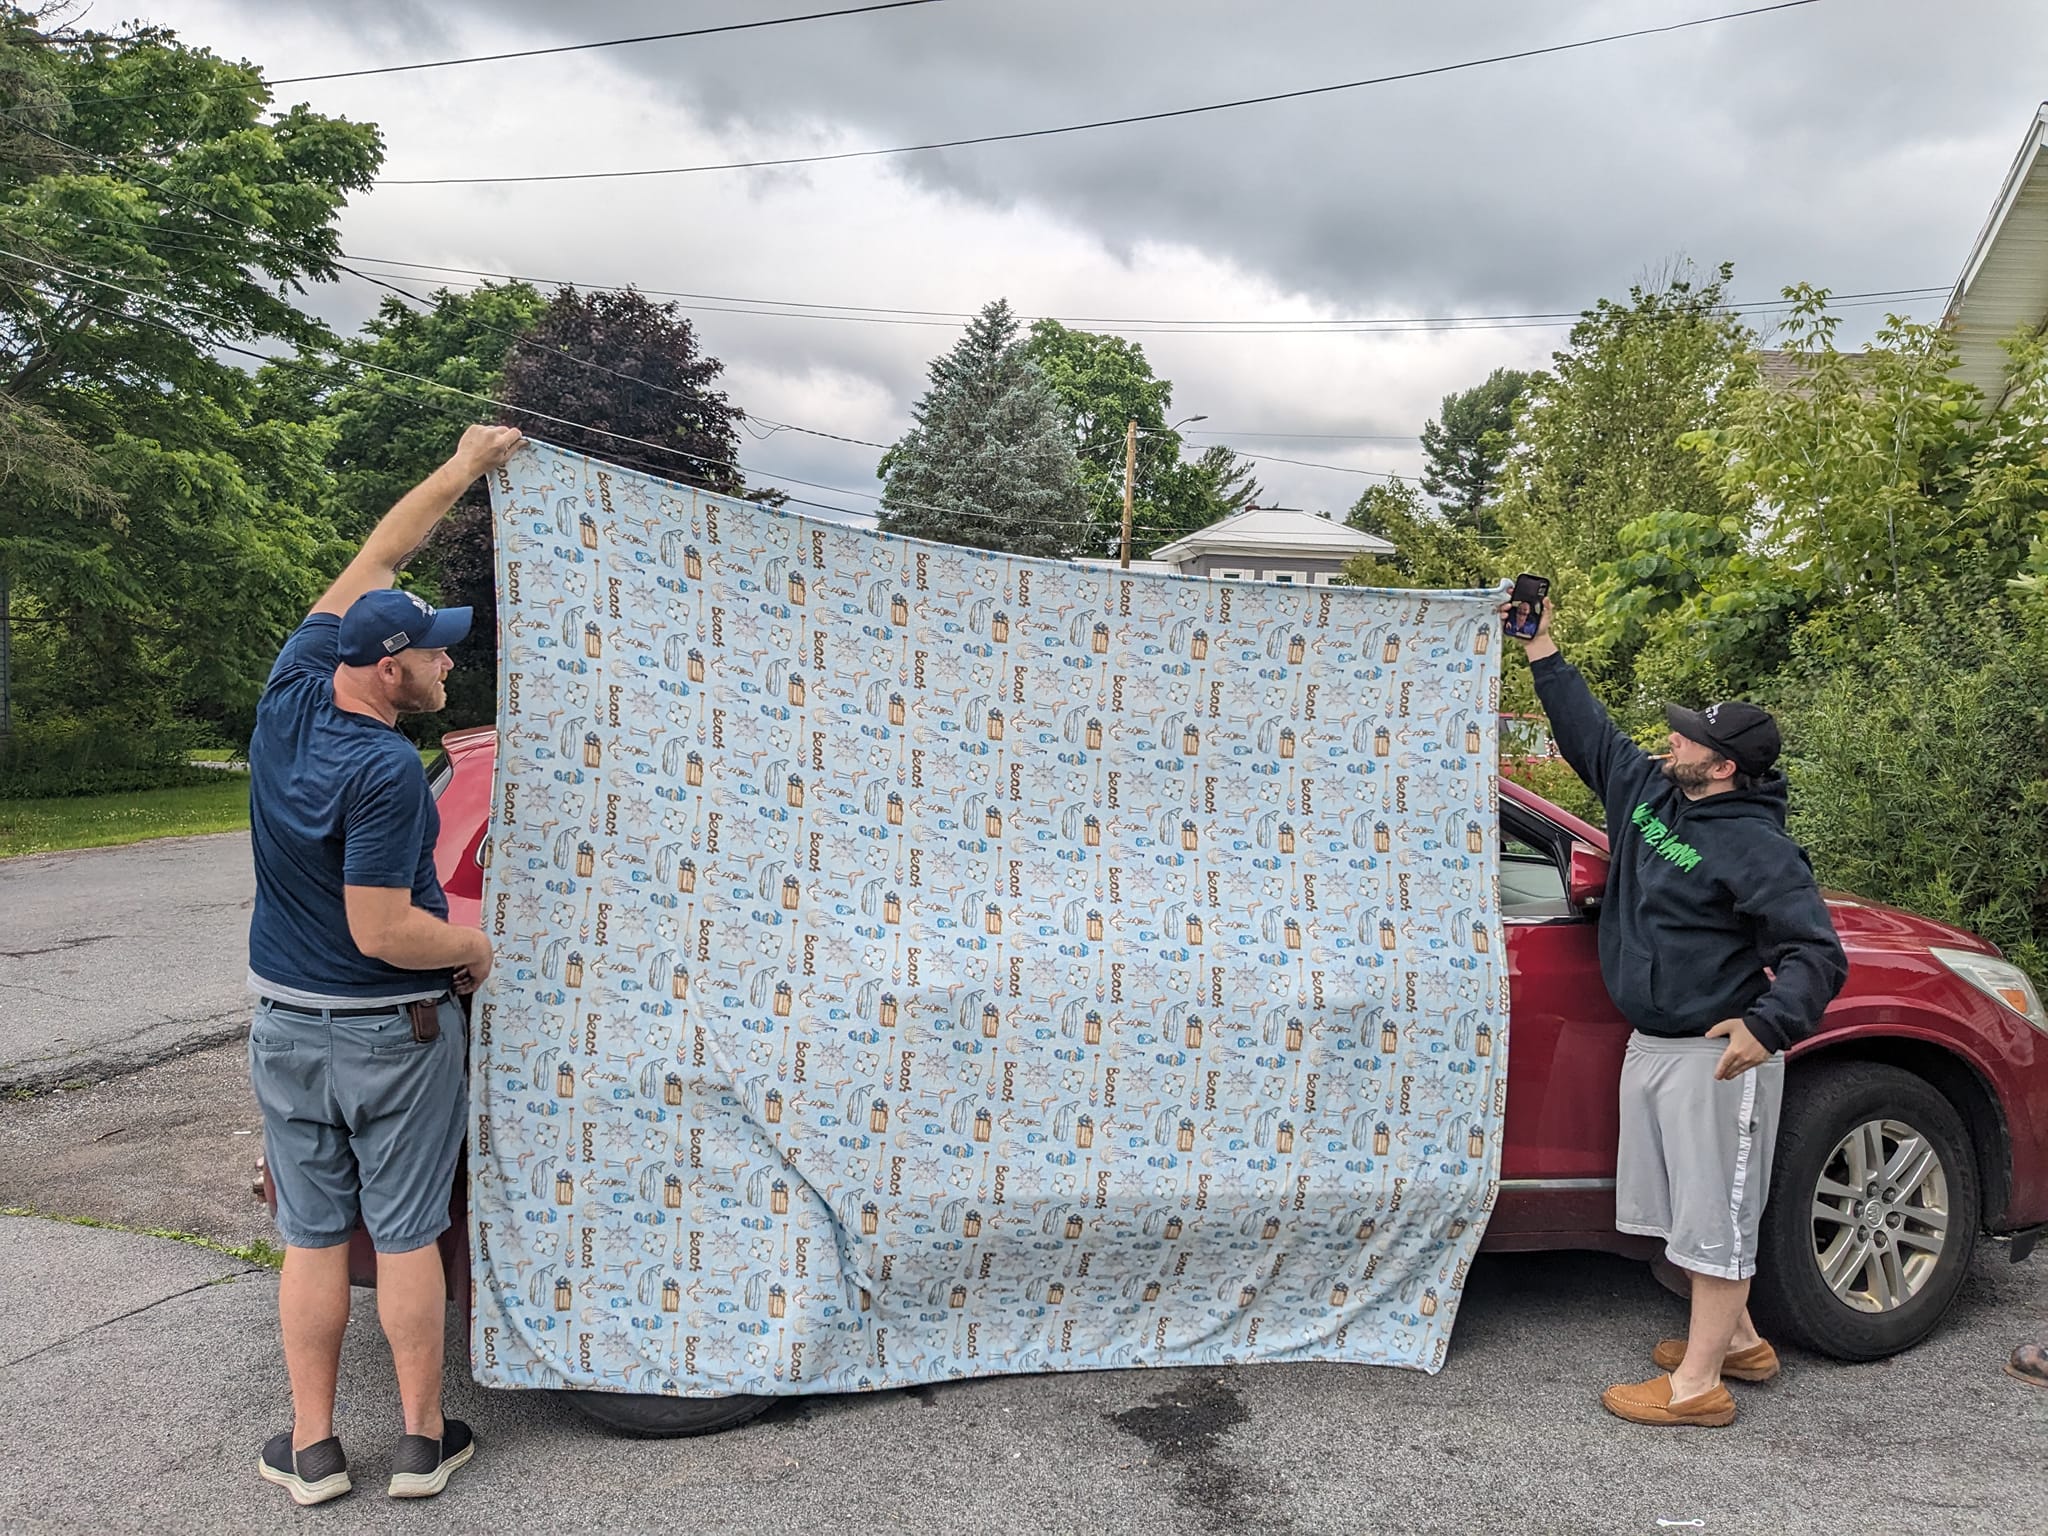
1525	606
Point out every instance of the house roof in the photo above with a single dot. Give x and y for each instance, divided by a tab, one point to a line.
2004	285
1274	531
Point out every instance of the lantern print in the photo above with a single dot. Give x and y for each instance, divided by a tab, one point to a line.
586	531
1190	741
1173	1225
1480	940
693	563
1472	742
1480	640
1091	1028
572	972
565	1295
1055	1294
694	665
1296	649
866	1300
899	609
1247	1295
1193	1036
1189	836
1474	840
693	769
672	1090
483	853
1286	837
1366	1228
783	998
1099	643
679	983
1151	1290
971	1227
895	709
1094	736
1428	1308
1382	742
878	1116
992	822
1194	929
593	639
672	1192
1339	1294
1485	1040
1084	1132
778	1302
671	1296
1185	1139
1475	1143
1199	647
1382	837
999	628
565	1081
1457	1229
870	1220
1271	1229
957	1297
593	750
792	889
1287	741
796	688
1390	1038
774	1106
796	588
992	918
991	1021
887	1014
1095	926
983	1125
686	876
1294	1034
1380	1139
586	860
1392	653
565	1189
892	908
794	792
1290	933
1283	1139
995	725
1073	1228
1091	832
894	810
778	1197
1387	933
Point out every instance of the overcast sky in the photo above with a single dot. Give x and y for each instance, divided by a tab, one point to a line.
1852	143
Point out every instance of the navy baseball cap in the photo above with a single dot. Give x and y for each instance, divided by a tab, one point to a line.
387	621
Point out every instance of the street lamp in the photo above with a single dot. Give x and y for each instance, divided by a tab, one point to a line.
1131	478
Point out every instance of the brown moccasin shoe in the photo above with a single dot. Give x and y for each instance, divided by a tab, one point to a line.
2029	1363
1649	1402
1757	1363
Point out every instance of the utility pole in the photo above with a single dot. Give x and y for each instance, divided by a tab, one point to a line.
1130	479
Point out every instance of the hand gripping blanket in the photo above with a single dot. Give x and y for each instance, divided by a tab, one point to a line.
916	962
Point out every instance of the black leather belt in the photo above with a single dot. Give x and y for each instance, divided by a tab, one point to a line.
337	1013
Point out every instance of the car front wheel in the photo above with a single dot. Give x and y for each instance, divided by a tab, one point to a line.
1873	1212
651	1416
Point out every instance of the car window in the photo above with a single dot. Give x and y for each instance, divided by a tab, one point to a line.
1531	884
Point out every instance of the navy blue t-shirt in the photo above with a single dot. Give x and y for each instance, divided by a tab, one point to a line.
335	799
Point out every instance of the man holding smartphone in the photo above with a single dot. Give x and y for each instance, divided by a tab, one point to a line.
1716	945
356	1050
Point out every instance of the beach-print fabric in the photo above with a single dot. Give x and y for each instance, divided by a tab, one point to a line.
915	962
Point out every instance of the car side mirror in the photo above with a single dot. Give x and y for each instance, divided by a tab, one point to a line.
1586	878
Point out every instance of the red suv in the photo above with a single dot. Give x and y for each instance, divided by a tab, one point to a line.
1915	1121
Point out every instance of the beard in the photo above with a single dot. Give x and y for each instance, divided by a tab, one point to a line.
421	696
1689	776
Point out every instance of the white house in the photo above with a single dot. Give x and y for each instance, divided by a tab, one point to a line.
2004	285
1265	544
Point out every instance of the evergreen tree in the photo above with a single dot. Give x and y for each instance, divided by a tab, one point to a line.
989	461
1467	444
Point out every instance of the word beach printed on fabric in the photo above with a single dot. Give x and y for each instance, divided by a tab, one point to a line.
916	962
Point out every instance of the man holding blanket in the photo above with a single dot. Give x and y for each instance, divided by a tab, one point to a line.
1715	944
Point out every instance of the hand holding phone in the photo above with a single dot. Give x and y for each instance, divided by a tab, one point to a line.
1523	616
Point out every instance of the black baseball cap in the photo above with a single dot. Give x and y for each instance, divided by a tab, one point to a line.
1744	734
386	621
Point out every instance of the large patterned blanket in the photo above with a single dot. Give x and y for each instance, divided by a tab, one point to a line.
916	962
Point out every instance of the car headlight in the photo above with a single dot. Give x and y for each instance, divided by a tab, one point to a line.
1999	979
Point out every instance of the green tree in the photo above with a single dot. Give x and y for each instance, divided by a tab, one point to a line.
152	208
989	459
1467	444
1430	549
1224	482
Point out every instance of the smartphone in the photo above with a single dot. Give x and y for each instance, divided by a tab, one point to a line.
1525	606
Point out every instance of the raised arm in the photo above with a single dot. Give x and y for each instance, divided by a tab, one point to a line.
1598	750
405	527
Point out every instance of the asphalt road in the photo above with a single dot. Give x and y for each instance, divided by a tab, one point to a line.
114	958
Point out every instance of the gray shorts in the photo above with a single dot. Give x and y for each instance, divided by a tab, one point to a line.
359	1120
1694	1165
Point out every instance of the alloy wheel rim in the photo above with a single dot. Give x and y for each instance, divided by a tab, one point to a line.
1880	1216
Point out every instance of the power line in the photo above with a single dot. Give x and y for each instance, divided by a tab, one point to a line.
1105	122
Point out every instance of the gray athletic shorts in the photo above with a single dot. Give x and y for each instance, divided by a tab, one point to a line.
359	1119
1694	1165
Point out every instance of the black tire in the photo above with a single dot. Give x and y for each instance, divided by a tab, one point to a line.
651	1416
1792	1299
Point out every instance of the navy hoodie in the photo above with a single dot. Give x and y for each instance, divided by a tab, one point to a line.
1703	896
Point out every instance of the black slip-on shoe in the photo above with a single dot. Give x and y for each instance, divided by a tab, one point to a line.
420	1467
312	1476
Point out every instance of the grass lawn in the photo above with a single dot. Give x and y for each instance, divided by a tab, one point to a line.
100	821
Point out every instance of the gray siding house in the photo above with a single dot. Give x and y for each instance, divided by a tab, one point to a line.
1265	544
